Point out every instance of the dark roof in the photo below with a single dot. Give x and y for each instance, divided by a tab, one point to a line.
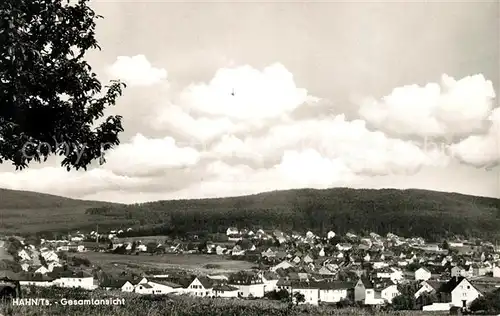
36	277
206	282
436	285
224	287
115	283
450	285
68	274
166	283
367	283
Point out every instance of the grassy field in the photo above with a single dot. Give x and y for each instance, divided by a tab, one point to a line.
187	306
196	263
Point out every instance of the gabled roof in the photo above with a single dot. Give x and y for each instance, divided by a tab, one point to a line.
449	286
367	283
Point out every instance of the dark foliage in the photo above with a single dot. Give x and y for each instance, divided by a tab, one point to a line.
50	97
404	212
488	304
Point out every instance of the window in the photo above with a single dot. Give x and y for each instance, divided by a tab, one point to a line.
468	287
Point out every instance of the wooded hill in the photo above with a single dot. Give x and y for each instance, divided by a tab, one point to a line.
429	214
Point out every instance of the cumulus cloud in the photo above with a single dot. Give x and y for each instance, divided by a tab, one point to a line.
251	142
361	150
56	180
454	107
136	71
143	156
481	150
246	93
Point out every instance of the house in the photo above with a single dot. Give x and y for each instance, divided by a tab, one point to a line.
124	285
157	286
201	286
335	291
42	270
67	278
36	280
496	272
248	284
307	259
310	291
325	271
224	290
462	271
282	265
364	291
459	291
270	279
389	291
422	274
23	254
219	250
232	231
25	266
428	287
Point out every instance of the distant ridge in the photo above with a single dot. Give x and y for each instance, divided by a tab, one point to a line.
429	214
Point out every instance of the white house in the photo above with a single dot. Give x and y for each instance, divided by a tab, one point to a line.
462	292
23	254
25	266
200	286
389	292
42	270
232	231
76	280
422	274
226	291
428	287
248	284
310	292
36	280
270	280
332	292
496	272
156	286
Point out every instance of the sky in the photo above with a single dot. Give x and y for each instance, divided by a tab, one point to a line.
227	99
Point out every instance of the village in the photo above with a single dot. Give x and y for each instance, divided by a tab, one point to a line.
308	269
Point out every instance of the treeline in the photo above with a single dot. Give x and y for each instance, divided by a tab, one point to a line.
432	215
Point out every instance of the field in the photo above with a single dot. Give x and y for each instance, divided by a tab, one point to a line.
195	263
185	306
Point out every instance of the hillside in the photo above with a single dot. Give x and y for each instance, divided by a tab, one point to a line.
407	212
32	212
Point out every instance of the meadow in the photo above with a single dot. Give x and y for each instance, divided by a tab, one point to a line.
188	306
196	263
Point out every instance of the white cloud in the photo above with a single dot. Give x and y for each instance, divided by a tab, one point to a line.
136	71
56	180
143	156
174	118
452	108
361	150
481	150
278	151
257	94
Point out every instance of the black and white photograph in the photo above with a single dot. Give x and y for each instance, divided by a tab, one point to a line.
251	158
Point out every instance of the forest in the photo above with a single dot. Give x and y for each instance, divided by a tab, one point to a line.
428	214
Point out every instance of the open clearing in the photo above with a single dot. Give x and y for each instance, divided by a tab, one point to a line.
187	262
